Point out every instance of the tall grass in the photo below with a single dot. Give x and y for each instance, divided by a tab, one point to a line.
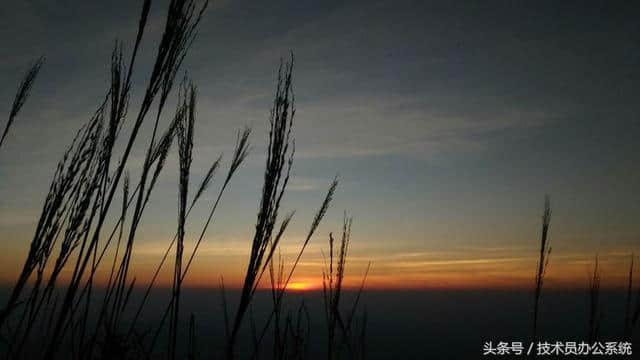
81	193
177	36
24	89
332	284
632	310
185	142
543	262
627	310
280	151
239	154
595	311
192	352
635	317
332	288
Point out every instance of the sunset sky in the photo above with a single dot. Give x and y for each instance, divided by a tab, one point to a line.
446	125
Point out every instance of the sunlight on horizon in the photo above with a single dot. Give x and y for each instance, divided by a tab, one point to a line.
301	286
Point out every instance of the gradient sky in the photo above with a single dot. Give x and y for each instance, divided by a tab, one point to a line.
447	124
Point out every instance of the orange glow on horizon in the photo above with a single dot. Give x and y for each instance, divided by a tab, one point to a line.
463	269
391	283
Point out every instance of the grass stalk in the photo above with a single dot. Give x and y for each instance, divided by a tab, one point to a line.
24	89
543	262
595	312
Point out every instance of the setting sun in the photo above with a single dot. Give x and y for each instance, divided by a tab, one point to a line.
299	286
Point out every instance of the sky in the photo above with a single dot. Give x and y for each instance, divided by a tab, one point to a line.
446	124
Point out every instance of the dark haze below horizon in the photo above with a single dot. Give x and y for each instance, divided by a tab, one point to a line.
409	324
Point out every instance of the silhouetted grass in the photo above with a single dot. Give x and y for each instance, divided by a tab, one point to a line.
279	160
279	291
24	89
332	287
192	345
185	141
543	261
627	312
177	36
595	311
632	310
636	313
82	191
